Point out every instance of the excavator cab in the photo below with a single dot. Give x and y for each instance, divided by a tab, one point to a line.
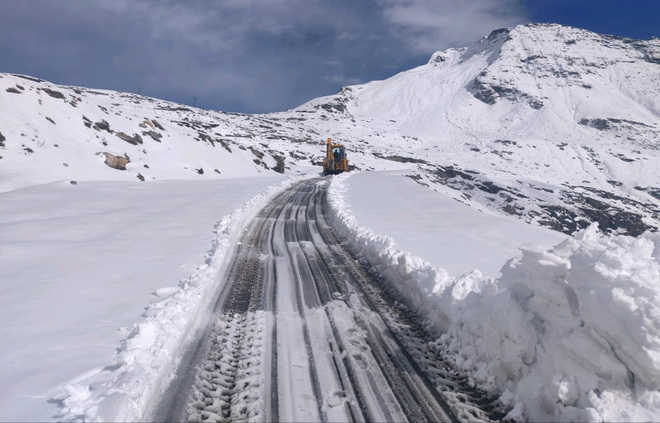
335	160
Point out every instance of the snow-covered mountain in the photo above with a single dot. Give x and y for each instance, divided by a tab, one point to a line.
556	125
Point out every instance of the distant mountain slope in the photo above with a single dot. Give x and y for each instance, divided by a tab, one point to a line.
556	125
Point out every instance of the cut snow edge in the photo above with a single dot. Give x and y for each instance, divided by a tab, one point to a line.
568	334
148	357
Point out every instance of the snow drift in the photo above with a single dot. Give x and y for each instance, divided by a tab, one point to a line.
572	333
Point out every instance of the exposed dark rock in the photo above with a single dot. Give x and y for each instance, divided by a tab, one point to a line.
513	210
489	93
203	136
498	33
630	122
631	223
53	93
200	170
102	125
489	187
224	143
297	155
279	165
28	150
217	171
332	107
603	124
140	177
506	142
157	125
29	78
561	219
174	109
87	122
2	140
600	124
256	152
400	159
156	136
116	162
72	182
652	191
418	179
50	120
135	139
532	58
449	173
623	158
12	90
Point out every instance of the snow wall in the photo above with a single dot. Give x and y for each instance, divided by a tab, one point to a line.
570	334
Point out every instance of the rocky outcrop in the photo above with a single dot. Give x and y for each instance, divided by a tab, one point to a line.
53	93
116	162
156	136
102	125
135	139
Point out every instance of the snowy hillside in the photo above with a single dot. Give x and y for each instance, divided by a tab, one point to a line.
555	125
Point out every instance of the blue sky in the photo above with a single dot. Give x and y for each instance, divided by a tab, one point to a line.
267	55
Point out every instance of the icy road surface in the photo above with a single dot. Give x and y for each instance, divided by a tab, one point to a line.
303	332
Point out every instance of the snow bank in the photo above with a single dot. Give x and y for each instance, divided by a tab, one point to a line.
147	357
572	333
437	228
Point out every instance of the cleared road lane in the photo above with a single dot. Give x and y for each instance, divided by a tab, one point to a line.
303	331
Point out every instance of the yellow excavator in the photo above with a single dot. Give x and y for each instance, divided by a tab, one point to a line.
335	159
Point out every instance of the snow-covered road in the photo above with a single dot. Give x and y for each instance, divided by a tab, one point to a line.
304	332
79	262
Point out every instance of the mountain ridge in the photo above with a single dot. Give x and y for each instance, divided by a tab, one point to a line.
555	125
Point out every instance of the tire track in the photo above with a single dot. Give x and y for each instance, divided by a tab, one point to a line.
460	400
363	355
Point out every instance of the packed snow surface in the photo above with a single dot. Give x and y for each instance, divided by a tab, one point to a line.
571	333
438	229
78	265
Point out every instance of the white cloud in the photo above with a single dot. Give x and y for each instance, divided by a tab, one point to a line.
430	25
244	55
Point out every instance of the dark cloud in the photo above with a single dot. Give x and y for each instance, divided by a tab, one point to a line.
238	55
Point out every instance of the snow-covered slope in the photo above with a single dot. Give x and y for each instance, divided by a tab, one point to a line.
552	124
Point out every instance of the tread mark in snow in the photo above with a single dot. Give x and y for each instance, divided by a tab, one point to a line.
379	362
